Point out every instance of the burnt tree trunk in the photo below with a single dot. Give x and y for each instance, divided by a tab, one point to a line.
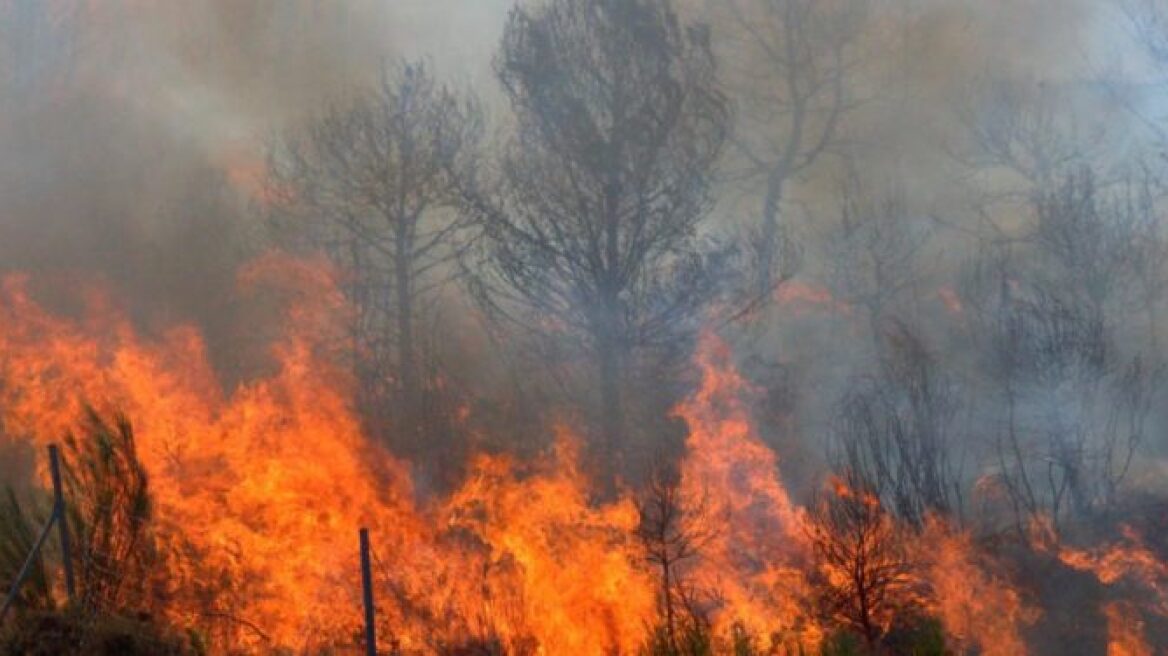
611	403
408	384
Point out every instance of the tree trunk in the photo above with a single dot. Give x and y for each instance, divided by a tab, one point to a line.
408	385
611	406
768	248
667	592
610	342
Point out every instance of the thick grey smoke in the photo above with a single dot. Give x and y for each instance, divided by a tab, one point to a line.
132	134
114	109
968	300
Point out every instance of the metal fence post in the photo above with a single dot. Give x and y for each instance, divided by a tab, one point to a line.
60	515
367	595
14	591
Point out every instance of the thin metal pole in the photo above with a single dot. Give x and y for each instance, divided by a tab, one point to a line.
26	568
62	521
367	594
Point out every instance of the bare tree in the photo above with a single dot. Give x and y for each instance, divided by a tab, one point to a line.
862	557
1149	21
874	253
1035	130
1075	396
895	430
795	63
1084	242
372	180
1139	212
674	529
593	232
893	425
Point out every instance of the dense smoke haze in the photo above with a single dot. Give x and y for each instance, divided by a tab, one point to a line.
660	327
110	96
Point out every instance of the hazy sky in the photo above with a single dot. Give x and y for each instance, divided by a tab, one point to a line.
224	73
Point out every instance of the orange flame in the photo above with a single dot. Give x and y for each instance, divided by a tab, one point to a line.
951	300
1127	562
804	296
760	557
976	607
1125	631
259	491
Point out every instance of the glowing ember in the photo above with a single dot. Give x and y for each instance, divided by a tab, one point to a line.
804	296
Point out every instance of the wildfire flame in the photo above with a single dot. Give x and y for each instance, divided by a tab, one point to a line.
259	491
1129	562
976	606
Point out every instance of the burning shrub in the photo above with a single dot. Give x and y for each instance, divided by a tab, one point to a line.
114	554
690	639
912	636
673	529
244	526
108	508
108	511
863	561
18	534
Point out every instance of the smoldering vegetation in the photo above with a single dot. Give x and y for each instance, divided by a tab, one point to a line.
599	270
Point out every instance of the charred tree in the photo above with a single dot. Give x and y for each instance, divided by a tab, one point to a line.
373	181
592	230
895	429
862	559
875	251
1037	132
674	529
792	67
1075	395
